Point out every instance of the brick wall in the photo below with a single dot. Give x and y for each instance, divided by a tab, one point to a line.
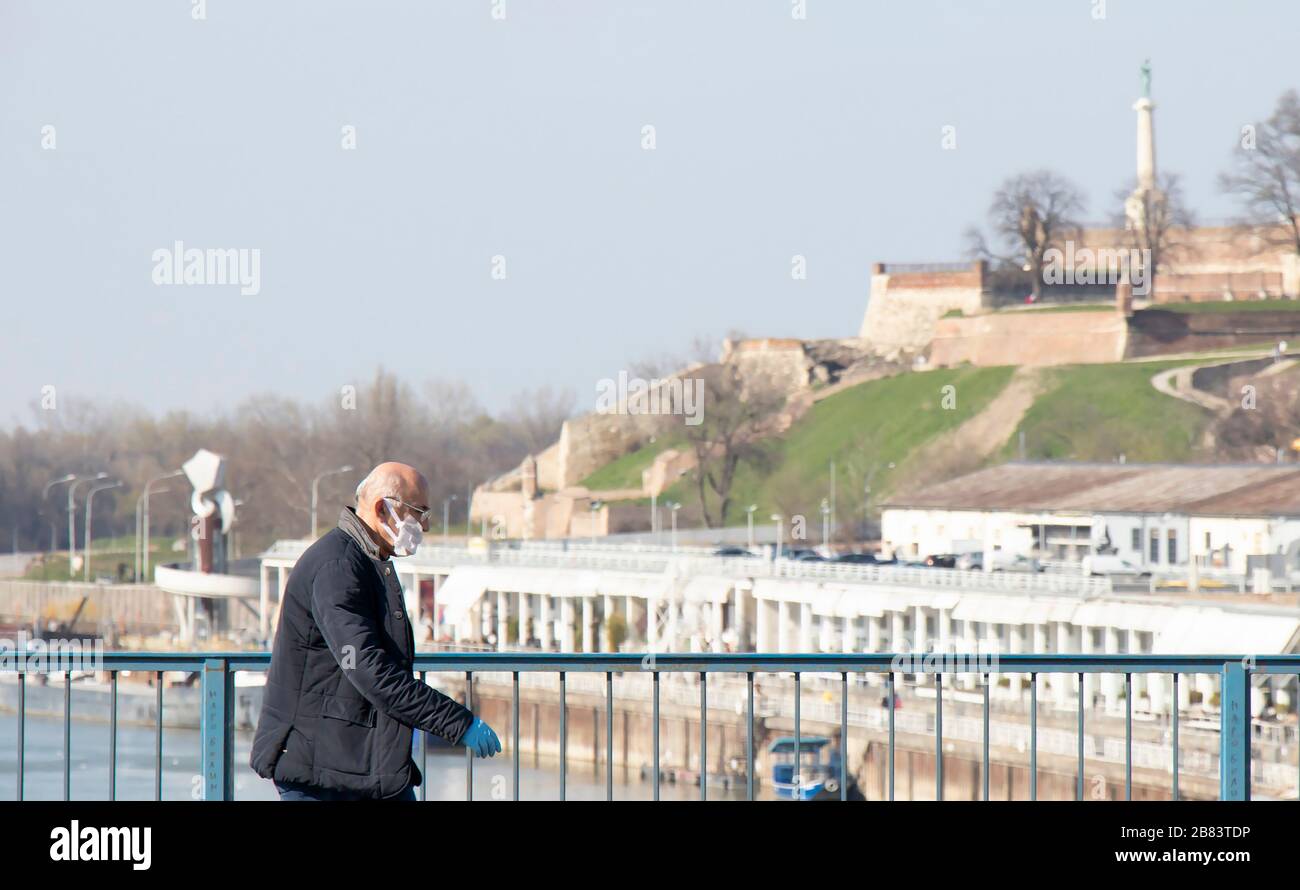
1162	332
1032	337
905	305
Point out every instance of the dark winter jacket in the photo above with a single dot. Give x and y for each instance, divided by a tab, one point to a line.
341	698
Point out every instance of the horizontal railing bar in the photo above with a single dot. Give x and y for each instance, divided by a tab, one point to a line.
1235	767
927	663
435	559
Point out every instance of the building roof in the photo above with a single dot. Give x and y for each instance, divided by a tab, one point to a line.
1264	490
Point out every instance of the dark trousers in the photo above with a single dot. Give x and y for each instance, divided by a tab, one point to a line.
298	791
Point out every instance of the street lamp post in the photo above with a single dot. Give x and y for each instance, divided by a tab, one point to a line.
142	522
315	493
776	554
54	533
673	507
826	521
749	517
446	515
72	516
90	499
139	536
832	501
234	532
595	506
866	510
469	504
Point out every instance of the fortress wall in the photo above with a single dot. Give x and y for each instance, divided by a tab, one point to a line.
504	507
1029	338
1215	378
1161	332
904	307
665	469
588	443
625	518
558	521
548	468
1201	262
779	364
1189	287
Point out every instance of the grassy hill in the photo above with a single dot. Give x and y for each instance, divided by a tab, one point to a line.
1096	412
1232	306
870	432
626	471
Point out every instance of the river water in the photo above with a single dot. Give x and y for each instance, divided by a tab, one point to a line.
43	769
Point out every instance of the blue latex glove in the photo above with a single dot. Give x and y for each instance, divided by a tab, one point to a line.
480	739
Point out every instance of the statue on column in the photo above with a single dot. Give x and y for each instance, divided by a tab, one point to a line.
1146	79
210	502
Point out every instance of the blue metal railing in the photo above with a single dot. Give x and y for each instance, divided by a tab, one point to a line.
217	673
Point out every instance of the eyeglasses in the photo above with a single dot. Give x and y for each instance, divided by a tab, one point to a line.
422	514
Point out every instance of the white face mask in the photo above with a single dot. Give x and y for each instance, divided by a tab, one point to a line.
406	537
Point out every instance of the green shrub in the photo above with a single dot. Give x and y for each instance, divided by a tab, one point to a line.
615	631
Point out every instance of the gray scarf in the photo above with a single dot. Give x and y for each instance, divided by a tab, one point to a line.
355	529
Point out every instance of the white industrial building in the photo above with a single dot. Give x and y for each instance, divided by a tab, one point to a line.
1156	516
553	598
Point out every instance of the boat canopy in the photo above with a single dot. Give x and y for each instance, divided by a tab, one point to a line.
806	743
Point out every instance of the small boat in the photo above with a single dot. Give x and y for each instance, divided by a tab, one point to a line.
819	767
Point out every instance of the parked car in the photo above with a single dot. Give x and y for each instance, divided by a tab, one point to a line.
732	551
806	556
866	559
941	560
1017	563
1105	565
1001	561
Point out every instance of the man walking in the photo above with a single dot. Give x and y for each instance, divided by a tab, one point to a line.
341	701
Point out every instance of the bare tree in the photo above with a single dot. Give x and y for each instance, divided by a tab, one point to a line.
538	414
1030	213
1166	218
704	350
274	447
1265	175
1255	433
727	436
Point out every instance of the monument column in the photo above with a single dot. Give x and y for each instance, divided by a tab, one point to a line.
1146	195
1146	144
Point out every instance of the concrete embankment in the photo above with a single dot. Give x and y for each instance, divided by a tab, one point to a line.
136	702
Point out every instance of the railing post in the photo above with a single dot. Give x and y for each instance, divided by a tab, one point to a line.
216	730
1234	732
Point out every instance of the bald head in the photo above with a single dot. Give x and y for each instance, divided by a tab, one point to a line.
395	480
390	480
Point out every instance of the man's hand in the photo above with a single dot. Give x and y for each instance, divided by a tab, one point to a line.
480	739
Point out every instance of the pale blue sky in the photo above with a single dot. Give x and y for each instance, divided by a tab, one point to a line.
522	137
